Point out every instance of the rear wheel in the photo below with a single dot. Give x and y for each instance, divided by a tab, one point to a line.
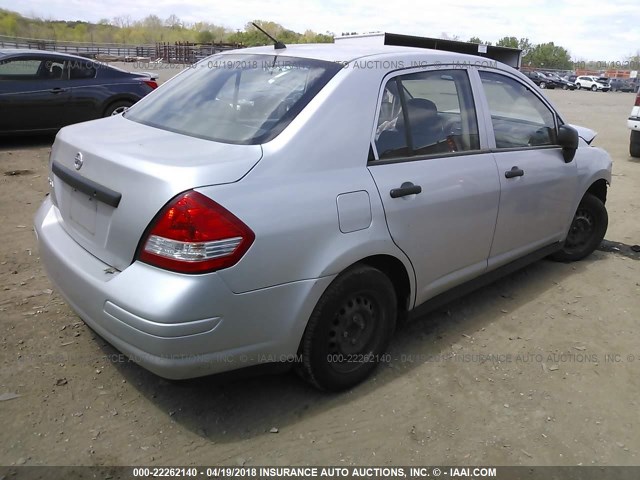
578	87
634	144
586	232
116	108
349	329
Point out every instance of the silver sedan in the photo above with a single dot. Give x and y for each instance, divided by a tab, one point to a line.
291	204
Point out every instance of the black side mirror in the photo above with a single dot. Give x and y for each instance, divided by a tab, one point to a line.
568	140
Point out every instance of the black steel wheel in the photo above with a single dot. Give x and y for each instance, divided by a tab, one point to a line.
349	329
586	231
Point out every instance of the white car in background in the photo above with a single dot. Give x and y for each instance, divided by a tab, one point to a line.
592	83
634	124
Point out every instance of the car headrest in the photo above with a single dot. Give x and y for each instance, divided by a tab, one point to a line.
422	112
56	72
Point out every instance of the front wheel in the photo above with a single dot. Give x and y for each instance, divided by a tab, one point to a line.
543	85
586	232
349	329
594	88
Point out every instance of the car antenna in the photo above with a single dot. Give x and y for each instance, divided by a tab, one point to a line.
277	44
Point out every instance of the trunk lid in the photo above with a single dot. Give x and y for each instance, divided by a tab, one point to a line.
128	172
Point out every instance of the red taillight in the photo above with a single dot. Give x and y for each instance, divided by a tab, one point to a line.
637	104
193	234
152	83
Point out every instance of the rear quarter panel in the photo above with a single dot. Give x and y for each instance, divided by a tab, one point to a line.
290	198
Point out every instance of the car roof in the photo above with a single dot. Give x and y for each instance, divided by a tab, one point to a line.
341	52
11	52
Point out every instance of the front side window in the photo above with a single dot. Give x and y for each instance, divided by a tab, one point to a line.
240	99
31	69
519	117
19	69
427	113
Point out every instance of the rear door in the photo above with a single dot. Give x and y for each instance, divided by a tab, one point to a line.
537	186
33	94
439	189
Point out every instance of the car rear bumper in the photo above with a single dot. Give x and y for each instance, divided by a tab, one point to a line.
633	123
177	326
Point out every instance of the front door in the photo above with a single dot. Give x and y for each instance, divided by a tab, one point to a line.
439	190
33	94
537	186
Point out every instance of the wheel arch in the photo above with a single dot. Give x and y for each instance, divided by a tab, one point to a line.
115	99
599	189
396	271
400	274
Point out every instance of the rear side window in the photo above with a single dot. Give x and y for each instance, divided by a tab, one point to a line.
241	99
427	113
520	119
81	70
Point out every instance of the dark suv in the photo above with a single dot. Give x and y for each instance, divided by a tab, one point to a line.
621	85
541	79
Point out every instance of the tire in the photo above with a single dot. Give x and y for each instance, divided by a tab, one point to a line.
594	88
634	144
565	87
543	85
586	231
116	108
353	322
578	87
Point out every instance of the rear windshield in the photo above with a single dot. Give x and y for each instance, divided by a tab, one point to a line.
241	99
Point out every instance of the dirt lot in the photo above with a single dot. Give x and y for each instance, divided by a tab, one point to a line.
563	387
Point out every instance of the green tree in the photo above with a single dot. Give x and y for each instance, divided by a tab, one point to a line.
124	29
478	41
8	23
512	42
548	55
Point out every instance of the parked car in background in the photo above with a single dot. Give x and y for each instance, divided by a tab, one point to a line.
634	125
571	78
592	83
561	82
541	80
290	204
42	91
621	85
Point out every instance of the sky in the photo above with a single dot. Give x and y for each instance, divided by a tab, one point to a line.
589	29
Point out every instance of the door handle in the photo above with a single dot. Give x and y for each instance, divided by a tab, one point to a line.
407	188
514	172
58	90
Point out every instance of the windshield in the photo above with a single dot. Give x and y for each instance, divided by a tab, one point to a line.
241	99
